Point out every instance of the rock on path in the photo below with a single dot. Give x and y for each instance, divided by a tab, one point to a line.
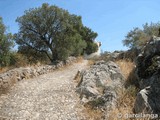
48	97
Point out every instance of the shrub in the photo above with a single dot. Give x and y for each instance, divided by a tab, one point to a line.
18	60
6	43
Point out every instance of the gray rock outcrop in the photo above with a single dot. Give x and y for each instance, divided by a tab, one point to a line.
148	74
99	83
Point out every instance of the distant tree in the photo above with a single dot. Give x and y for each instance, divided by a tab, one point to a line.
52	31
138	37
6	42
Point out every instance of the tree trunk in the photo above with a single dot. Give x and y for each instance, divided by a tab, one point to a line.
54	58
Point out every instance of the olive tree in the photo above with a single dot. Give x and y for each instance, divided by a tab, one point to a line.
138	37
52	31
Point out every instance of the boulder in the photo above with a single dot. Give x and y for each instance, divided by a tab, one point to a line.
99	83
147	101
148	75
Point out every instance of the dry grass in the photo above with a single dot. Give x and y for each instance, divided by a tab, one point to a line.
125	104
90	62
126	95
126	67
128	70
79	59
93	114
4	69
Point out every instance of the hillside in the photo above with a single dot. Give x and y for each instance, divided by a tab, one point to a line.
115	85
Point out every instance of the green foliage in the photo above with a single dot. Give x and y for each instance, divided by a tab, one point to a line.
138	37
18	60
89	36
6	43
31	55
91	47
52	32
78	46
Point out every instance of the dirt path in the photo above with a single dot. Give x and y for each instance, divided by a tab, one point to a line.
48	97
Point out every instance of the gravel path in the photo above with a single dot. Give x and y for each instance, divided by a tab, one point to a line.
48	97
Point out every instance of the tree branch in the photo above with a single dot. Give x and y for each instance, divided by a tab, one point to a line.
38	50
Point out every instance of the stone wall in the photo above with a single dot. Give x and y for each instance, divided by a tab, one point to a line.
10	77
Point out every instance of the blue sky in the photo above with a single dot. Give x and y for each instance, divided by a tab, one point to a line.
111	19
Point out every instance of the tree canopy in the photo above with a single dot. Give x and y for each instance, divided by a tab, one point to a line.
52	32
6	42
138	37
